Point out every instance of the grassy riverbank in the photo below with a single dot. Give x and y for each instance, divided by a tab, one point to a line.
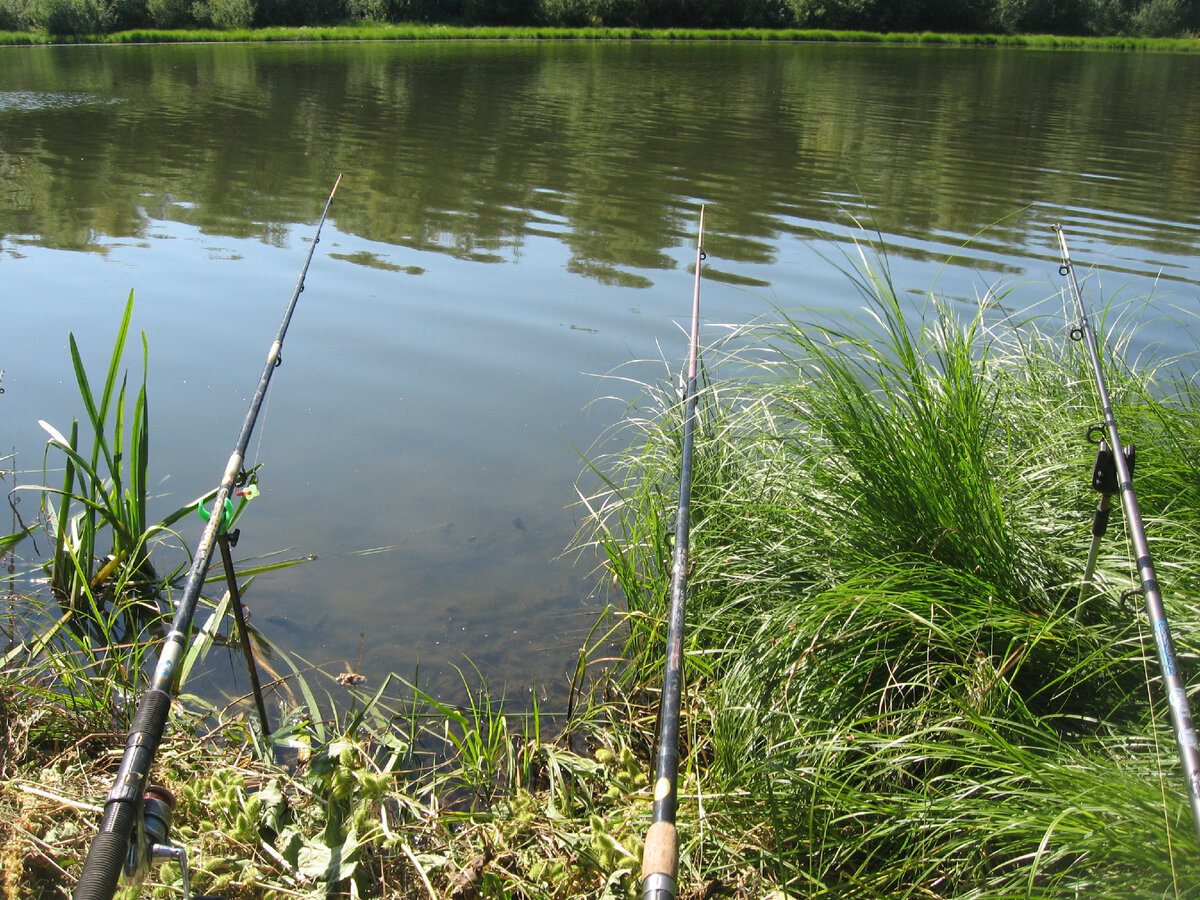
897	685
424	32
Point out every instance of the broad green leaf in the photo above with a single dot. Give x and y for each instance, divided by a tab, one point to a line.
273	811
329	864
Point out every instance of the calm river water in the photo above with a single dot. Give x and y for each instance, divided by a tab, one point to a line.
515	220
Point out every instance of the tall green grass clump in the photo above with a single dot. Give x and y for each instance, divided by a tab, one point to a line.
88	638
96	518
898	685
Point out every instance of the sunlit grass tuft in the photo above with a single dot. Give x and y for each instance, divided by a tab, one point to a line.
899	686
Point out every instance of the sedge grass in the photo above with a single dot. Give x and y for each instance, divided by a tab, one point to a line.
897	686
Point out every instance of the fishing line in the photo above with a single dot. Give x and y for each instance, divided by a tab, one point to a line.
265	415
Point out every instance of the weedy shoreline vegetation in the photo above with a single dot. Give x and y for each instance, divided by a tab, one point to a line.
1096	18
443	32
897	685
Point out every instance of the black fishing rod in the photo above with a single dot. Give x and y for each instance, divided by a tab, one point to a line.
660	860
1119	459
132	803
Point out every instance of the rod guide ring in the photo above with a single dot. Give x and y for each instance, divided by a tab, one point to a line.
1127	596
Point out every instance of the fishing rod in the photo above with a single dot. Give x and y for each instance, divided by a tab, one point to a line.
660	859
1117	459
136	818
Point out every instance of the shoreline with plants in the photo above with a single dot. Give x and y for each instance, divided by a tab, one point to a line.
897	684
534	33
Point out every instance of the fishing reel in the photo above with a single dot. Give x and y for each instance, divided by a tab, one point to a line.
150	843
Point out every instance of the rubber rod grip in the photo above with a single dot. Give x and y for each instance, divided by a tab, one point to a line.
661	856
151	715
106	855
1100	522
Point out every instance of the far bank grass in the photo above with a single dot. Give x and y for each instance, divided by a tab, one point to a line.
425	32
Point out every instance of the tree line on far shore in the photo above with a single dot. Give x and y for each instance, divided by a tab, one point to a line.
1151	18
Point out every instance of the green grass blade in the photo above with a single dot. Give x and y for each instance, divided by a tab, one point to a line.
107	505
114	364
96	417
140	444
202	640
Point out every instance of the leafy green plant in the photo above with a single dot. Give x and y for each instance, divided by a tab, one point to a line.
172	14
14	15
1160	18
